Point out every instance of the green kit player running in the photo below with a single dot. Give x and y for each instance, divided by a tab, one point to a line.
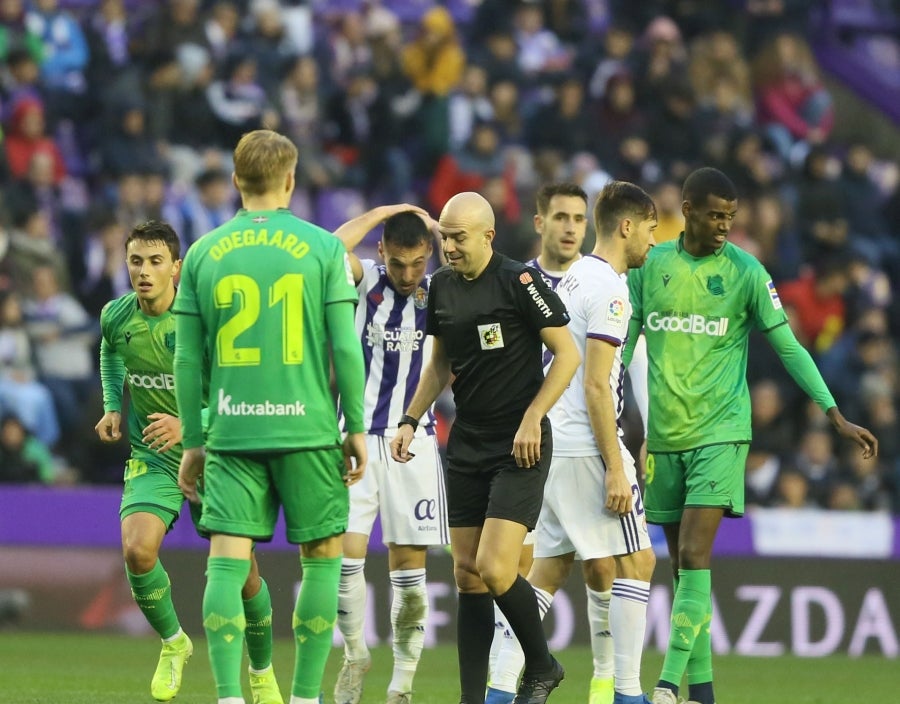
265	296
697	299
137	348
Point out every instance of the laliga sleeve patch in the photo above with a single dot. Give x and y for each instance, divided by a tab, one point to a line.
490	336
773	295
615	310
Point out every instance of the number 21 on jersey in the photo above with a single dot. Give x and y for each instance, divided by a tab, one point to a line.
242	292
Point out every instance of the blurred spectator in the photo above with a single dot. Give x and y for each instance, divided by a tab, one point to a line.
773	441
778	240
64	336
816	462
348	50
618	46
20	390
65	60
667	197
15	33
103	274
568	20
468	168
167	48
222	28
304	115
661	59
563	126
821	207
469	104
112	72
202	209
618	117
817	298
20	81
792	104
27	136
32	246
507	112
540	53
498	55
792	490
269	43
673	131
24	458
238	101
434	61
127	146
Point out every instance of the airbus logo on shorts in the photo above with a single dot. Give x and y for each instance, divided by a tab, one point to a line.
228	407
693	324
142	380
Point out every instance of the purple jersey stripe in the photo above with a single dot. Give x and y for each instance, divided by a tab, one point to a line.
389	369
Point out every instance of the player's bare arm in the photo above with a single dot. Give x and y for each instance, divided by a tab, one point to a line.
108	426
433	380
566	358
598	364
163	432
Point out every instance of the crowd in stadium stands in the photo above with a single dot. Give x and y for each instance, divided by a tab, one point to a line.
115	111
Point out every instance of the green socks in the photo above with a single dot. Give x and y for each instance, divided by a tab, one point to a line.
258	612
690	616
224	621
152	592
314	617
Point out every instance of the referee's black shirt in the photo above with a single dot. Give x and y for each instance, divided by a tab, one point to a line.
490	329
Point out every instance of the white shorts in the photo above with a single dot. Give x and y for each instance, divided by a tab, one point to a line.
410	497
573	517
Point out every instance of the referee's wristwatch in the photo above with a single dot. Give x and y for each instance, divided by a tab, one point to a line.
408	420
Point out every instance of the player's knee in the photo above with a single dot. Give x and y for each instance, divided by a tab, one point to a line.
496	575
693	556
467	577
139	557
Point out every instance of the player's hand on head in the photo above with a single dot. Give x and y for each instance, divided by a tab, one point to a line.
401	442
163	432
108	426
190	473
527	443
618	492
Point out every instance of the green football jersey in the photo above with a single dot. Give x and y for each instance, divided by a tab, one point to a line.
260	284
145	346
697	315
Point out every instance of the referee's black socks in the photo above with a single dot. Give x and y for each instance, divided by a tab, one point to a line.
474	633
519	605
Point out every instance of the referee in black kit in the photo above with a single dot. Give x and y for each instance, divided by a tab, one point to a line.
489	316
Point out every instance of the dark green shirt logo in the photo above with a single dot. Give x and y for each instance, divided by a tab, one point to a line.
715	286
170	341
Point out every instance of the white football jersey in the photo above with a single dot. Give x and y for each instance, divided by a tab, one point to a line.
597	300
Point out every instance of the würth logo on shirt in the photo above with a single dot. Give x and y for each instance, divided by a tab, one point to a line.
491	336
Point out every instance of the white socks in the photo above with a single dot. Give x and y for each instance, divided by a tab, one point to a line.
409	611
627	622
506	668
352	608
601	637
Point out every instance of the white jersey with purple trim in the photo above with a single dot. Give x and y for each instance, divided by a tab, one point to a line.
395	347
597	300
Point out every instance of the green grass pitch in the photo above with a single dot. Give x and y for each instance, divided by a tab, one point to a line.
43	668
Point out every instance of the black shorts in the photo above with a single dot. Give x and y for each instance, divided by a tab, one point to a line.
483	480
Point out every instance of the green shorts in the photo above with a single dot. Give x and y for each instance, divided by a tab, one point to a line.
243	492
151	487
706	477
